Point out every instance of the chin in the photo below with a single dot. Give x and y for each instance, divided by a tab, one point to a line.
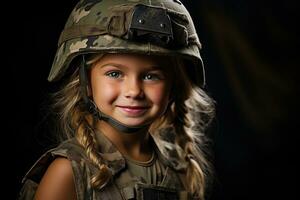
135	122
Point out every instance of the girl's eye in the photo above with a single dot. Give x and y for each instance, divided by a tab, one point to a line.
113	74
152	77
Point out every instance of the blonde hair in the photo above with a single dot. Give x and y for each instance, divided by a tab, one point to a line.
188	114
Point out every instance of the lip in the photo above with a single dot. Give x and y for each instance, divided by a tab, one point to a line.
133	110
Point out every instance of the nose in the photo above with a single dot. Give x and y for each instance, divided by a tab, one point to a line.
133	88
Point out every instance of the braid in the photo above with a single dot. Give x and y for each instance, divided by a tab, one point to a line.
86	137
190	113
184	138
75	121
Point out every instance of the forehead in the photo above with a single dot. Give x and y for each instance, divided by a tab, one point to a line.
136	59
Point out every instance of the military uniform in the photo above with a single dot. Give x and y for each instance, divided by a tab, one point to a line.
165	172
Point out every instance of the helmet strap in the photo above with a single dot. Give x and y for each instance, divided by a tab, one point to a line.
95	111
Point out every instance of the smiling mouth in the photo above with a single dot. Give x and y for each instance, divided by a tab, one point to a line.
134	110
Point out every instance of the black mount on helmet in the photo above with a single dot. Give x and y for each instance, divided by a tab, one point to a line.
143	28
94	110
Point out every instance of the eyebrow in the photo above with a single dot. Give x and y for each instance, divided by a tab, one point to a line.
112	64
152	67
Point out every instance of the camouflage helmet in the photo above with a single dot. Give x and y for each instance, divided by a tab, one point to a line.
156	27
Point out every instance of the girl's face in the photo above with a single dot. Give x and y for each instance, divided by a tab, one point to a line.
133	89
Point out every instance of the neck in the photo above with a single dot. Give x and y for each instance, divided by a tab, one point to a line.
134	145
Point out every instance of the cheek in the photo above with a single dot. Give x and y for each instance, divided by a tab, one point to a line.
159	95
103	93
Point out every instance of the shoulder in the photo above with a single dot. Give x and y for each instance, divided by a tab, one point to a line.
57	182
66	163
68	149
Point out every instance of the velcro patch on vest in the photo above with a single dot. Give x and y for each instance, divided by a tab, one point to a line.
152	192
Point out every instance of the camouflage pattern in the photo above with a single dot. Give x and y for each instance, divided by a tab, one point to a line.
101	26
123	185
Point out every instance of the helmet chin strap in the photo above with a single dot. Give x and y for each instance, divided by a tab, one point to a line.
93	109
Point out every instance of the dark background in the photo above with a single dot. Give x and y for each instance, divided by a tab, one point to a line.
250	50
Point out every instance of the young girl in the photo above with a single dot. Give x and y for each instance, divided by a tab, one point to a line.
132	113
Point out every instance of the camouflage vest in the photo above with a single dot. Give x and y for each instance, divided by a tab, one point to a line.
124	185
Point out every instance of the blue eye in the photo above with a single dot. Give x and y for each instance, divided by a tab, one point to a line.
152	77
113	74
